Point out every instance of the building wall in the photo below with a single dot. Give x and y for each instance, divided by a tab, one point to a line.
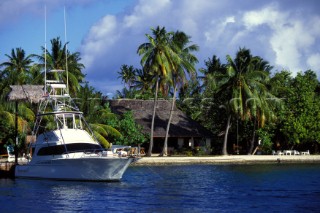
175	143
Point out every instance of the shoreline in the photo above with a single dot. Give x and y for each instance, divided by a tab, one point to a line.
155	159
7	168
230	159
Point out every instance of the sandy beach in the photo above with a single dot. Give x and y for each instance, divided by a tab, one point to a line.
231	159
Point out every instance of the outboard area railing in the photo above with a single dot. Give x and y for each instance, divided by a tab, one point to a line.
86	149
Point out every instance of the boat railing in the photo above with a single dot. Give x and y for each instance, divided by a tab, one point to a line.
101	153
53	82
90	153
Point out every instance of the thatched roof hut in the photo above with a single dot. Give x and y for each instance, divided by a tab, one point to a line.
181	125
32	93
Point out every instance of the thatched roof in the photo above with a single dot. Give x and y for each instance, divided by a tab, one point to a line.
181	125
32	93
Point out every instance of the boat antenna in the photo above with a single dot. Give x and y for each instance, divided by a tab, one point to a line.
66	49
45	49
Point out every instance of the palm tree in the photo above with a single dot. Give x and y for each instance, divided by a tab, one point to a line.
17	71
244	80
97	114
261	108
156	60
125	93
214	66
143	84
17	68
183	63
127	74
60	58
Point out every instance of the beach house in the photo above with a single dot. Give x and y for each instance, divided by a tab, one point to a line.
184	132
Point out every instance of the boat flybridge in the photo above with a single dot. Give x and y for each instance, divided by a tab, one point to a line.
65	146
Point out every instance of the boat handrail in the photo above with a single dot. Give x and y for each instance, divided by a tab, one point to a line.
58	86
56	70
86	151
53	81
59	96
60	112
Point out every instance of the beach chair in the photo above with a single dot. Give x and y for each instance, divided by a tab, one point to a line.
295	152
287	152
279	152
305	153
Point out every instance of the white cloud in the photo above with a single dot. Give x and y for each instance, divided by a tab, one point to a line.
145	10
230	19
114	40
100	38
314	61
291	36
291	44
282	37
286	33
268	15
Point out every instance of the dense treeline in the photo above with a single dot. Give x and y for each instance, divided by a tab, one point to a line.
241	101
280	110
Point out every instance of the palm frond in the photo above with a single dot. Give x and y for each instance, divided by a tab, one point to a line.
102	140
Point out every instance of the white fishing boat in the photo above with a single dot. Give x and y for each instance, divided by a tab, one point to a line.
65	147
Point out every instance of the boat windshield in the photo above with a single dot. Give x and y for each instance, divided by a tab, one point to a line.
62	120
74	147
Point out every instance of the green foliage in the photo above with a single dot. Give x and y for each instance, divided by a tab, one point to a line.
127	74
131	132
6	127
190	100
56	58
102	140
17	67
189	153
7	123
299	119
26	112
266	140
104	124
241	85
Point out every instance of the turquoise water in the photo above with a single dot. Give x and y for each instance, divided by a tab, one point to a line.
189	188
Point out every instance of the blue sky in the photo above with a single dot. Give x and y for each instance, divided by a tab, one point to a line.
107	33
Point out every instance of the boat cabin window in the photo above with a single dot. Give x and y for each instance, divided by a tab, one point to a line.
69	121
75	147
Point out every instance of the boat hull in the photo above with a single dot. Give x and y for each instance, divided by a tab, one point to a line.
80	169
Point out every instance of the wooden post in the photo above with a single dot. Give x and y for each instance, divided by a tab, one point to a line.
16	135
255	150
139	150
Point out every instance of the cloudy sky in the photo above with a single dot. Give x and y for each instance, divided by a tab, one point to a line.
107	33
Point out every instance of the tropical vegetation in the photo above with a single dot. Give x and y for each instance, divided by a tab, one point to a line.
21	69
239	97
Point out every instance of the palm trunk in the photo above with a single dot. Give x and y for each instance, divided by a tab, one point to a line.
224	148
253	137
165	145
152	121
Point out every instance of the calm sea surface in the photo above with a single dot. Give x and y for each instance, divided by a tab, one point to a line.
189	188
